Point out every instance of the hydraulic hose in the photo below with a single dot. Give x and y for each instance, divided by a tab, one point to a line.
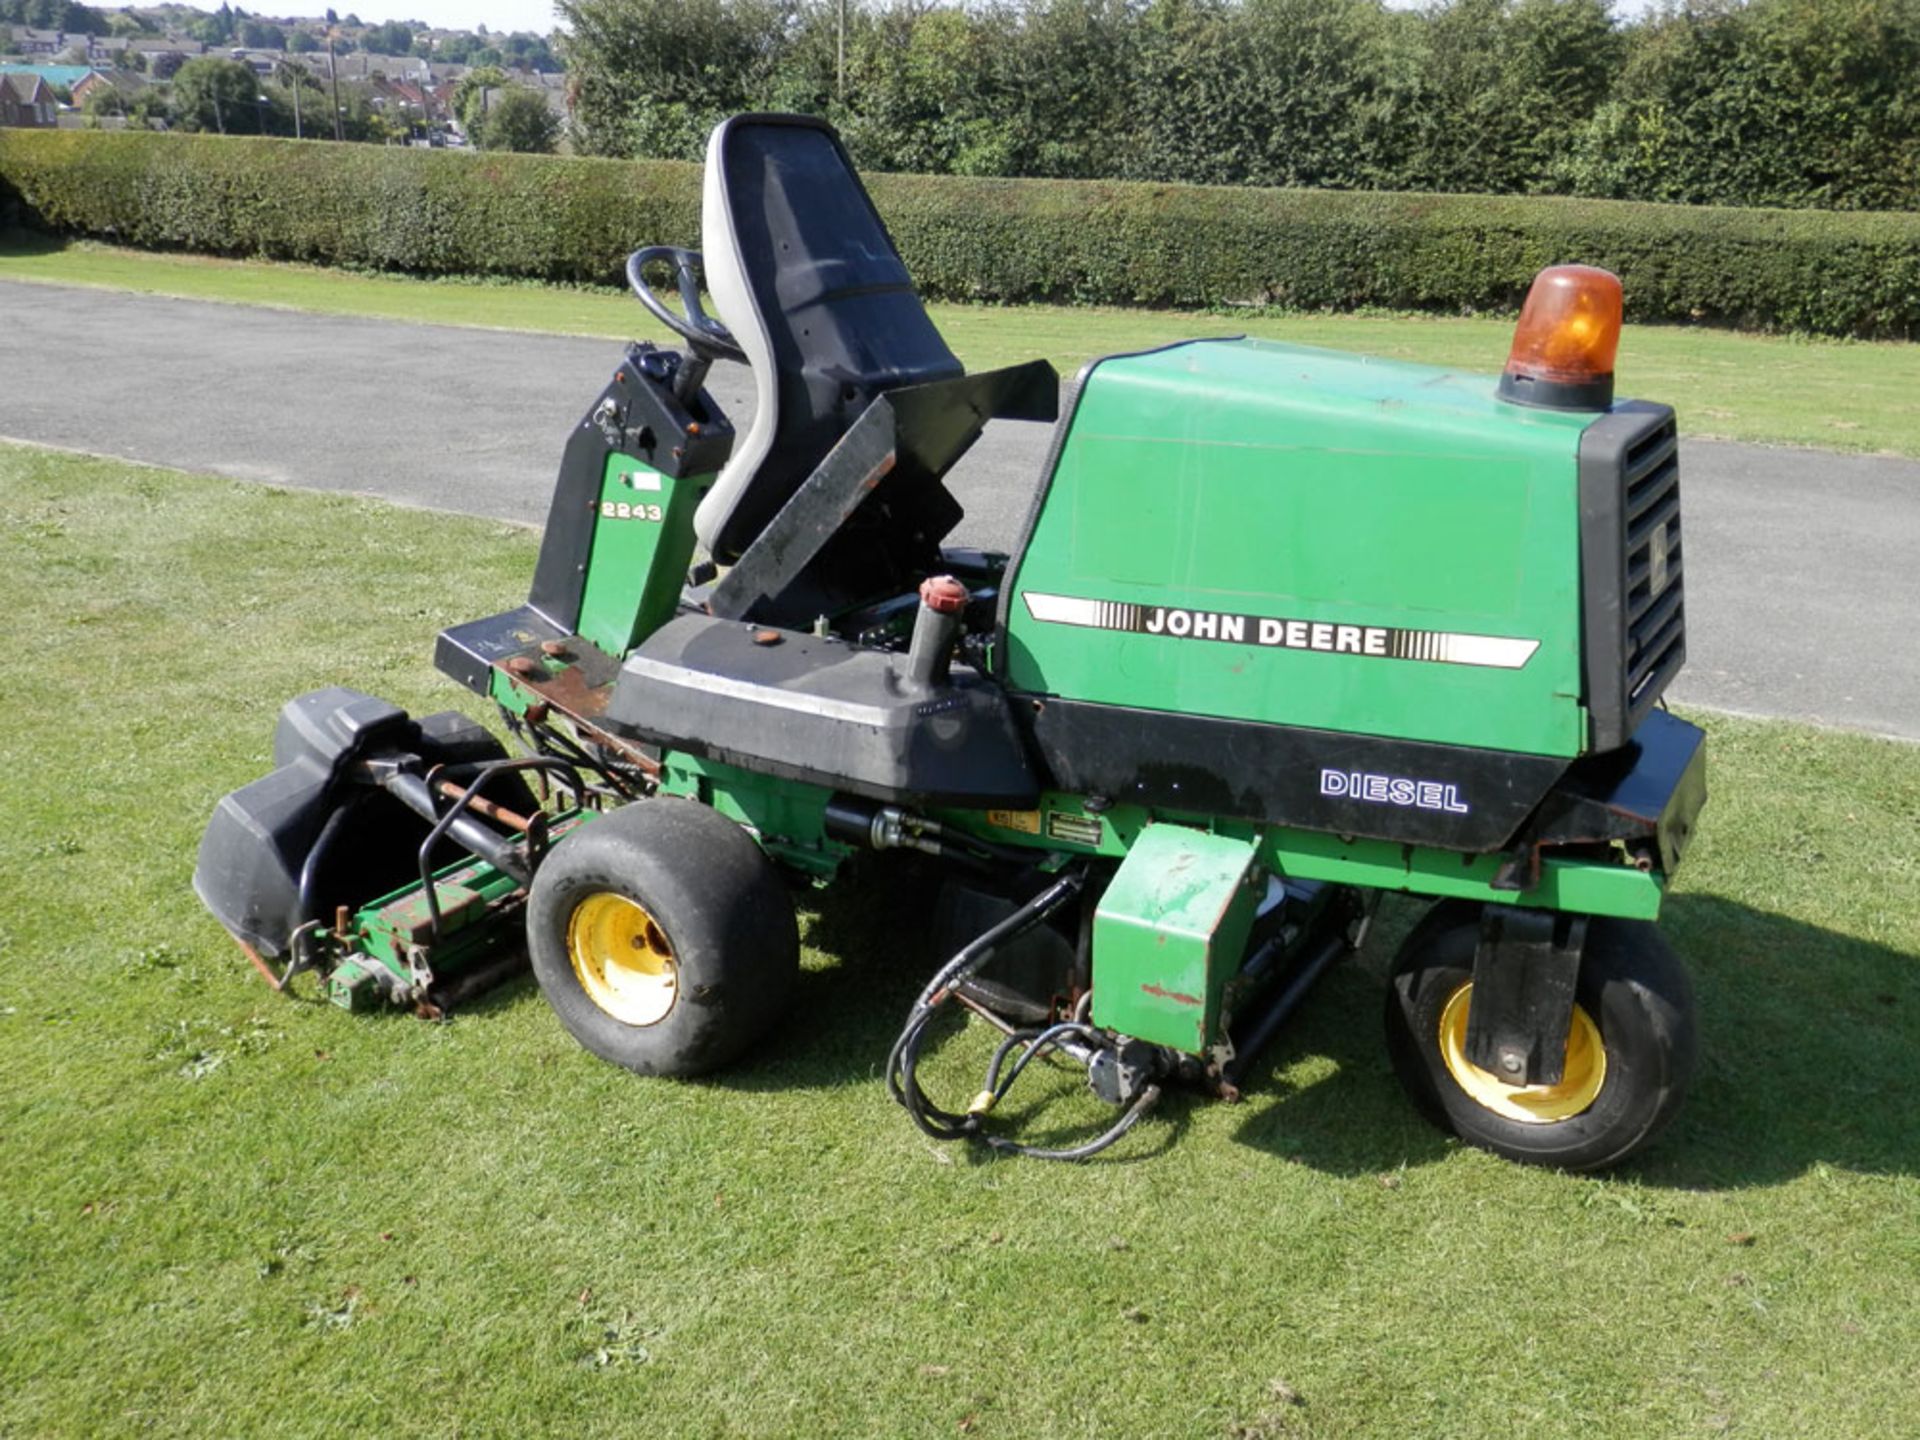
1074	1036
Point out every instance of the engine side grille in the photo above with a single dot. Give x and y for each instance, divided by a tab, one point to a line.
1632	562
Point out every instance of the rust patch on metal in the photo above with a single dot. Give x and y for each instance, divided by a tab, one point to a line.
568	689
579	691
1161	993
412	919
252	954
481	805
880	471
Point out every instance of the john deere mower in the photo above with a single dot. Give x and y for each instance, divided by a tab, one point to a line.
1283	629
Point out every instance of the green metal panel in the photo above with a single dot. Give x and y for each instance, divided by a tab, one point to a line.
1357	497
788	817
642	542
1170	932
1581	887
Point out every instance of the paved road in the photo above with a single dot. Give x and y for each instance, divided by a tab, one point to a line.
1803	568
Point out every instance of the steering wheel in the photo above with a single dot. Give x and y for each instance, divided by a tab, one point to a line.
706	336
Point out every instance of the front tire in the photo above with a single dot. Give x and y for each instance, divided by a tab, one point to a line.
1629	1057
662	937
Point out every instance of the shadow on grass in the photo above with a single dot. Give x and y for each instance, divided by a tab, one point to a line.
21	243
1806	1045
873	924
1805	1036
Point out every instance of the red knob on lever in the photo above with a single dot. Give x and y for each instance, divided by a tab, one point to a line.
943	595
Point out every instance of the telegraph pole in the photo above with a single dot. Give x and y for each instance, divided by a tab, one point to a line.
333	74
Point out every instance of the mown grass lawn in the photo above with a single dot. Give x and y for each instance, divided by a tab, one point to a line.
1831	394
227	1213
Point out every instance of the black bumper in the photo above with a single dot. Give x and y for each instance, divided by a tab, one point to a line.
1647	795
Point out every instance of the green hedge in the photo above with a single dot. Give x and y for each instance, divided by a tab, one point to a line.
436	212
427	211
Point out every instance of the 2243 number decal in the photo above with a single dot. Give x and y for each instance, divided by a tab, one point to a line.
623	510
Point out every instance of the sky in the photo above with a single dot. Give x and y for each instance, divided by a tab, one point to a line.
534	15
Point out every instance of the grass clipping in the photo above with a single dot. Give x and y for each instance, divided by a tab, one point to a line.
225	1212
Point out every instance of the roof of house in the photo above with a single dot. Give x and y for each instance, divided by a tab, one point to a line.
23	89
360	65
127	82
67	75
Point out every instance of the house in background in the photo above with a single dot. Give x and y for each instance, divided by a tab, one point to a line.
125	81
28	41
64	76
164	57
26	101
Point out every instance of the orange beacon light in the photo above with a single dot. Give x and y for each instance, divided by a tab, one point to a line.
1563	347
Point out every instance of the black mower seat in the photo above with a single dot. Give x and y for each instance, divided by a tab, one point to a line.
805	275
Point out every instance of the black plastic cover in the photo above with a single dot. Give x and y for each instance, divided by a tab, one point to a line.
820	710
1452	796
1650	790
329	727
248	872
260	838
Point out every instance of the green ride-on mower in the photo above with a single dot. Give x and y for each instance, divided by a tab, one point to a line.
1283	629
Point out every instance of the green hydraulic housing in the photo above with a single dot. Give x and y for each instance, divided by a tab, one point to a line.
1170	932
1357	538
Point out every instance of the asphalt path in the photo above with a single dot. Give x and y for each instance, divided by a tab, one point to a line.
1803	567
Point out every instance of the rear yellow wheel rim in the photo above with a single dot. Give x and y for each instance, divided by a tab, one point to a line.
622	959
1578	1088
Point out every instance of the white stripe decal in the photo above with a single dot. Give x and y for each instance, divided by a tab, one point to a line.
1067	610
1440	647
1497	652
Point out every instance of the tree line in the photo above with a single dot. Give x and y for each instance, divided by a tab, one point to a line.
230	25
67	15
1796	103
213	95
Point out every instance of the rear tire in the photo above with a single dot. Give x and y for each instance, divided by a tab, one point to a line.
1630	1052
663	937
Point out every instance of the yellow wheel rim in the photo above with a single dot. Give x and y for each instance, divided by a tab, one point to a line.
1579	1086
622	959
